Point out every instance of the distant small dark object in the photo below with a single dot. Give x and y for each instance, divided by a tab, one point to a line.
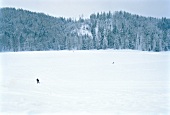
113	62
38	81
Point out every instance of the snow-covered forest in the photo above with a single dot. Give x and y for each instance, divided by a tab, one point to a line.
22	30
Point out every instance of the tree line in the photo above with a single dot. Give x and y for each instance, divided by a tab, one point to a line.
22	30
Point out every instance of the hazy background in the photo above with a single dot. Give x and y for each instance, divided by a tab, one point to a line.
77	8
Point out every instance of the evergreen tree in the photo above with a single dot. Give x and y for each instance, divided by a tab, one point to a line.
22	30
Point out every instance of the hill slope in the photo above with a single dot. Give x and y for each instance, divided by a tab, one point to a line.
22	30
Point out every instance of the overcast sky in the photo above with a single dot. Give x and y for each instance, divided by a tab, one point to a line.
76	8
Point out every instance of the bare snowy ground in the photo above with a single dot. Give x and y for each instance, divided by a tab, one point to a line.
85	83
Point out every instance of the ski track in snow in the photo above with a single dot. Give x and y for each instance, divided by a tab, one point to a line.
85	83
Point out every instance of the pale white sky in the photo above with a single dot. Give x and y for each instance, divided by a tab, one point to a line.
75	8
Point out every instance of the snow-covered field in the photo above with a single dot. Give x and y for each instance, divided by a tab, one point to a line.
85	83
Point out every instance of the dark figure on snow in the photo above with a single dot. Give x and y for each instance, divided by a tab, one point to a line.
113	63
38	81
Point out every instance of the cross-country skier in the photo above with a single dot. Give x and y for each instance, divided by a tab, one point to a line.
38	81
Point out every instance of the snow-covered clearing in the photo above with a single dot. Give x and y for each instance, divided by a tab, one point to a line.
85	83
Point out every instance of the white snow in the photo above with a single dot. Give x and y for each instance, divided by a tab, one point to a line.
85	83
84	30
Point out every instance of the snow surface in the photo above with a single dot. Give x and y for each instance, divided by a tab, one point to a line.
85	83
84	30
